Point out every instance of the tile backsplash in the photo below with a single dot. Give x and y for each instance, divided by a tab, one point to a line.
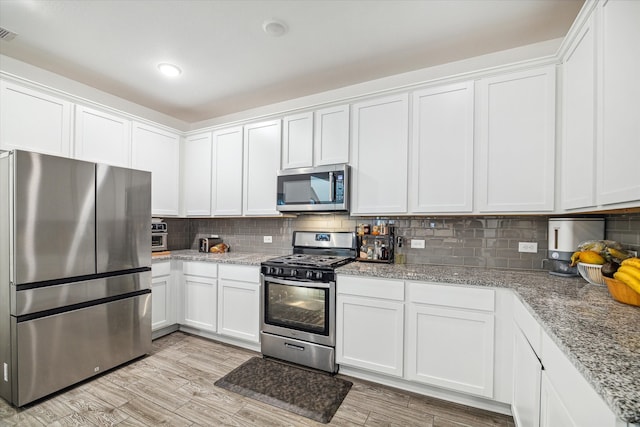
484	241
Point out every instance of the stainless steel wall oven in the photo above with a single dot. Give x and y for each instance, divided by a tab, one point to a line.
299	299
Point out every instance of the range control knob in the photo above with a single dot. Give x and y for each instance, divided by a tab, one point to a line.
309	274
293	272
277	271
319	275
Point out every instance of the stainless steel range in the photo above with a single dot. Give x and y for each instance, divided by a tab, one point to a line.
299	299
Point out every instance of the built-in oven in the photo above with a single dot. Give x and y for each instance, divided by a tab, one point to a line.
298	299
159	236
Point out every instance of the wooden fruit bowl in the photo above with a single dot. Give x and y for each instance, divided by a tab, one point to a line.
621	292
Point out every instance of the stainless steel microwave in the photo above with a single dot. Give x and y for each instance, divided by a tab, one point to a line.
319	189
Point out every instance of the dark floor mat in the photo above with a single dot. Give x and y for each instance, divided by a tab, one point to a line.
304	392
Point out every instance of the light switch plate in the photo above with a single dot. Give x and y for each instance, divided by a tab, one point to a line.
267	239
417	243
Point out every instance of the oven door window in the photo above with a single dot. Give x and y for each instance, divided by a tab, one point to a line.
297	307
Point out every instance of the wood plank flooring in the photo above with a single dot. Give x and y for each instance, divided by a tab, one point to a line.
174	387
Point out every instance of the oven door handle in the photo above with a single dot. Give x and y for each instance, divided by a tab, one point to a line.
321	285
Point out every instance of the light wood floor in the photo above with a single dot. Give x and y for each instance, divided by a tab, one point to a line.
174	386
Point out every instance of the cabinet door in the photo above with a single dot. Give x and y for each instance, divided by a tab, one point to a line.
261	164
379	155
238	309
439	342
527	370
226	197
200	298
619	136
197	175
158	151
578	171
553	413
34	121
370	334
442	149
160	293
102	137
516	141
331	136
297	141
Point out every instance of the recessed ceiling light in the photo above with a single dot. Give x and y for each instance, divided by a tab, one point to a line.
274	27
169	70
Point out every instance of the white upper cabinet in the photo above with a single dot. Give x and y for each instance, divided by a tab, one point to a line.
442	149
619	103
578	171
379	155
197	175
226	197
158	151
516	141
102	137
297	141
261	165
331	135
34	121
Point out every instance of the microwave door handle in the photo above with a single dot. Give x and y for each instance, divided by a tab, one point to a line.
332	187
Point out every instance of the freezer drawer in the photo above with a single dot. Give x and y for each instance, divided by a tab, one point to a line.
39	300
57	351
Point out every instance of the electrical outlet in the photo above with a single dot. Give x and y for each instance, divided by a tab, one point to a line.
529	247
417	243
267	239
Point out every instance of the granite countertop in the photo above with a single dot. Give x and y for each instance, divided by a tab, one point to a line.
242	258
600	336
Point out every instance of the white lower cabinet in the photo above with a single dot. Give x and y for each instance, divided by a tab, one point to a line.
445	325
199	295
553	412
370	324
163	312
548	391
239	302
527	371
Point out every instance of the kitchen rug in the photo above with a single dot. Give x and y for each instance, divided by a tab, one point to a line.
304	392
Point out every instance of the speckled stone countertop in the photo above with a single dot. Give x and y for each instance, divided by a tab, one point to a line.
242	258
600	336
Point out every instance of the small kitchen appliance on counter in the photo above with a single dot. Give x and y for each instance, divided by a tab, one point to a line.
565	234
159	235
206	243
298	321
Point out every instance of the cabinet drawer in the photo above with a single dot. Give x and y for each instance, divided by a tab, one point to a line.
241	273
160	269
204	269
527	324
452	296
374	288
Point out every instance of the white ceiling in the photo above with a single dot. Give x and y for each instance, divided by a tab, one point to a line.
229	64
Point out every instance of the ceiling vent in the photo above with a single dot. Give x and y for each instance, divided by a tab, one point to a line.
7	35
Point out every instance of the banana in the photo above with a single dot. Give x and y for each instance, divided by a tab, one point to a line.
628	280
635	262
630	270
575	258
618	254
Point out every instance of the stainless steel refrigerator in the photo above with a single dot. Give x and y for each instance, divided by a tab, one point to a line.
75	271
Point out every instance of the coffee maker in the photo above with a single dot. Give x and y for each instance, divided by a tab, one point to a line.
565	234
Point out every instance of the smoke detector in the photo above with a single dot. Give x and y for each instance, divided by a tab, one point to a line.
274	27
7	35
